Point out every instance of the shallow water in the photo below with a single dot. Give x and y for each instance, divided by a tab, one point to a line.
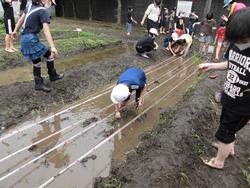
80	119
21	74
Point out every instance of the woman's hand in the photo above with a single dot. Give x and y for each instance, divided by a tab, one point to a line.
54	51
204	67
14	35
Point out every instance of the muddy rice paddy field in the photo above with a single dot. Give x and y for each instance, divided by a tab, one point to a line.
69	138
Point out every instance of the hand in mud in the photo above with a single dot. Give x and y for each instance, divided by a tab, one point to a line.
117	115
139	104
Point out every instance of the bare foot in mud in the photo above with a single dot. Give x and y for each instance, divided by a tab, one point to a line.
213	164
216	145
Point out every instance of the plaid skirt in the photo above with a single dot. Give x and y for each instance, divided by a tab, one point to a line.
31	47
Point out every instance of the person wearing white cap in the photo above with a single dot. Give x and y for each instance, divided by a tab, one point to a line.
147	44
132	79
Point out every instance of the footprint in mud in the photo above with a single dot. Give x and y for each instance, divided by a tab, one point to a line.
142	118
107	133
89	121
85	159
156	82
32	148
45	163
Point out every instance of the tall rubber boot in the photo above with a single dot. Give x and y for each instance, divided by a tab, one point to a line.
39	85
53	76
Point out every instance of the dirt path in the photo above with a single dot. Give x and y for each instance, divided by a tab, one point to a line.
169	155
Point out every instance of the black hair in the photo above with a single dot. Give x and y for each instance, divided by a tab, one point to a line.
158	2
238	26
36	2
130	9
181	41
222	23
233	1
210	16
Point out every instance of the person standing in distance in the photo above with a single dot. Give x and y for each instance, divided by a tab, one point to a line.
9	23
152	14
132	79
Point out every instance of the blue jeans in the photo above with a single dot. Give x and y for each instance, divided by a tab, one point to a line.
129	27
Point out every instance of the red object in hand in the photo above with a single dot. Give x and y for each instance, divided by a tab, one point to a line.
213	76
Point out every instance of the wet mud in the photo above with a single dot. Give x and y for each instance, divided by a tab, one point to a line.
169	155
79	119
19	101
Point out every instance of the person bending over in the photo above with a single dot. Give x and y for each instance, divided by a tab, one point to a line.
132	79
183	44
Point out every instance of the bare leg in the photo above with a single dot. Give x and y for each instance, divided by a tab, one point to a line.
12	45
232	152
218	51
222	154
8	44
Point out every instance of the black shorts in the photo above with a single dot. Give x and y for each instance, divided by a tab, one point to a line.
141	49
9	24
152	24
137	94
230	123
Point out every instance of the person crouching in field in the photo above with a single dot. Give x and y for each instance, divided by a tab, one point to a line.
9	23
34	19
184	43
147	44
132	79
236	94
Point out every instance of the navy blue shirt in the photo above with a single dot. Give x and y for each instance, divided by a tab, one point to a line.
34	22
133	77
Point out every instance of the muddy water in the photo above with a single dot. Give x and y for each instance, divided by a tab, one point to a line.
98	163
21	74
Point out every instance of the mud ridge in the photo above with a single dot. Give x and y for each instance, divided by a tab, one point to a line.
20	101
169	156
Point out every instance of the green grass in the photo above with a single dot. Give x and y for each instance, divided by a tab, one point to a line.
247	175
199	146
86	40
112	183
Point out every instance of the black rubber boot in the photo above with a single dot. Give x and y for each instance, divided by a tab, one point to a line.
39	85
53	76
